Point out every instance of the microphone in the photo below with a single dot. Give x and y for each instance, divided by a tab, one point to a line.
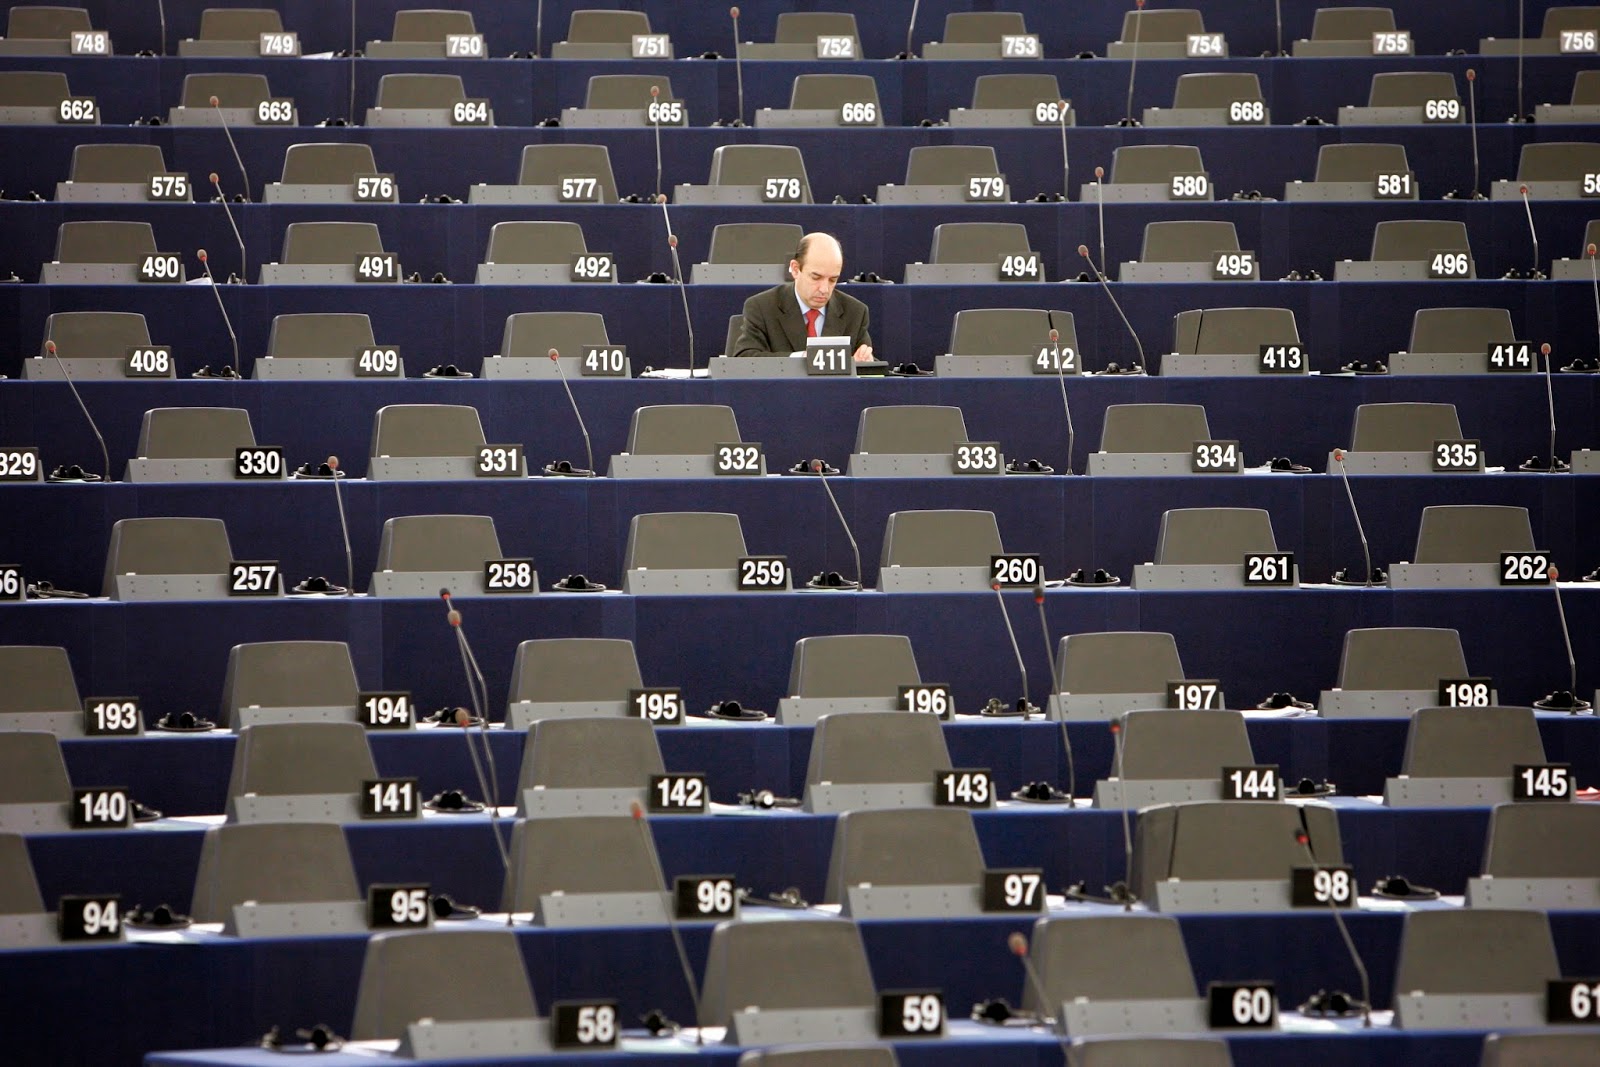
1123	891
1066	189
911	24
226	372
655	97
1061	379
1366	550
161	16
820	469
677	266
1100	211
738	68
1025	705
244	269
637	811
1277	16
1534	273
1018	943
228	133
588	447
1133	67
1472	122
344	527
1055	691
351	114
538	30
105	458
1303	839
1564	700
1522	27
1534	464
1083	250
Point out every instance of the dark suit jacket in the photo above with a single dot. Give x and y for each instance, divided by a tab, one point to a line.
774	324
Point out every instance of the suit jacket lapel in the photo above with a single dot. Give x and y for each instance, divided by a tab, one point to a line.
789	317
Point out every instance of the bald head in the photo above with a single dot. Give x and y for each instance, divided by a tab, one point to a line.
817	264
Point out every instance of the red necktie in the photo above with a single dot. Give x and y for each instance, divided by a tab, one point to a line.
811	322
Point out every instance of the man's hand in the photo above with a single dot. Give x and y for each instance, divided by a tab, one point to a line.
864	354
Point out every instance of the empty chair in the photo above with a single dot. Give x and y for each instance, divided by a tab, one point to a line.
532	334
683	552
40	23
943	174
807	35
238	96
1231	331
1213	100
1158	34
235	32
1582	106
1144	174
40	692
1179	847
940	539
1477	967
425	440
756	253
978	252
1172	756
1150	1052
329	253
1167	431
1541	856
675	440
587	766
1008	341
95	344
861	672
824	99
1557	20
1398	438
246	866
751	174
322	173
1551	170
113	173
1464	756
1112	958
190	444
1187	251
299	771
980	34
322	344
402	973
1358	172
425	100
1348	31
1468	534
767	969
35	791
624	100
1205	548
730	340
907	440
1014	100
821	1055
418	553
1407	98
533	253
101	253
1452	330
32	97
571	676
289	681
556	173
1391	671
879	855
1105	674
558	862
604	34
167	558
426	33
19	888
1539	1050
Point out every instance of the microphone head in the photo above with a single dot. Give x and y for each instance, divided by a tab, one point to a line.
661	198
734	12
1338	455
1083	250
1592	250
1038	594
1554	574
554	356
672	240
1544	349
636	810
655	91
333	463
1017	943
816	466
201	255
444	595
453	617
1099	172
1472	75
995	586
1523	190
1116	726
463	717
1139	4
1301	838
50	347
215	102
1055	335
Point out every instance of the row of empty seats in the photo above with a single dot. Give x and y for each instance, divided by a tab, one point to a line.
609	34
1400	98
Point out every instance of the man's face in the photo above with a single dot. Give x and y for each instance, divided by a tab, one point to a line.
814	280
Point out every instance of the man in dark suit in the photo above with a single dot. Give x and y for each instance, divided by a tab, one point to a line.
778	321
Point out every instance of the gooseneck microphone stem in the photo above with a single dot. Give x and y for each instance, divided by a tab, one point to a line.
1550	400
350	116
1083	250
1061	380
105	457
672	916
821	470
227	131
1133	68
588	447
1055	692
1533	234
1355	513
478	693
1018	944
1566	636
1304	838
538	30
911	25
738	67
1066	170
655	126
1129	898
1016	649
205	262
161	18
1472	120
344	527
238	239
677	275
1522	27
